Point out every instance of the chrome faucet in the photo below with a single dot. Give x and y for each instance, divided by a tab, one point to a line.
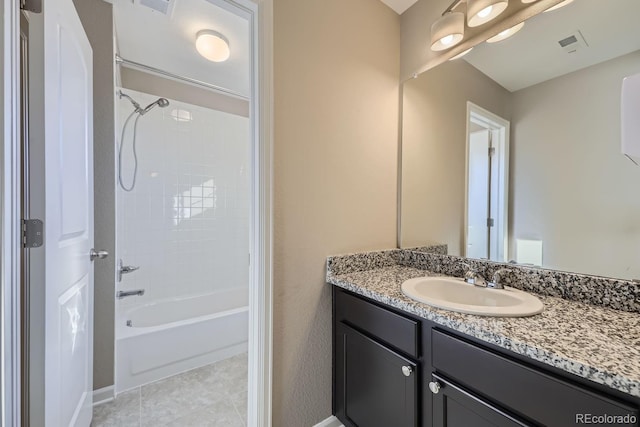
473	277
497	276
124	294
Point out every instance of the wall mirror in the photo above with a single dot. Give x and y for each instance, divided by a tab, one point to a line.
572	199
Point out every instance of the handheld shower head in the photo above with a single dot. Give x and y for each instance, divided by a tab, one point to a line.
161	102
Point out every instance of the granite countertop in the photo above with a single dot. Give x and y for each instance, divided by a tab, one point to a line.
597	343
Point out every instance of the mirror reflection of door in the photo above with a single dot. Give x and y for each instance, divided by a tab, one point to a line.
478	206
487	181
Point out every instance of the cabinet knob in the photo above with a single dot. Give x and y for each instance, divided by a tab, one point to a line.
406	370
434	386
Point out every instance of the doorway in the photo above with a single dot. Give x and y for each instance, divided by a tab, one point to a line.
487	181
259	271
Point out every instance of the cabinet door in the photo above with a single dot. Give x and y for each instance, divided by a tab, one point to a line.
376	387
455	407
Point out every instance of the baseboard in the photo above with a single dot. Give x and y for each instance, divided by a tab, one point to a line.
103	395
332	421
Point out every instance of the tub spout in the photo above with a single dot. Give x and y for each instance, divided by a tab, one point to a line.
123	294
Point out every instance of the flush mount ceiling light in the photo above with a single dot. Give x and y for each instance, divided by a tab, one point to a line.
461	54
528	1
482	11
506	33
212	45
559	5
447	31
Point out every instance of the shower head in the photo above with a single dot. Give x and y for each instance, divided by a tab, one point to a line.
161	102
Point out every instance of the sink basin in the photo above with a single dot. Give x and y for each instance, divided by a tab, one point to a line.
455	294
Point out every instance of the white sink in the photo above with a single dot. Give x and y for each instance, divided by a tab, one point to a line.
455	294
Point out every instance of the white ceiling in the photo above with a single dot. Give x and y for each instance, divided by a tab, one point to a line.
168	42
399	5
533	55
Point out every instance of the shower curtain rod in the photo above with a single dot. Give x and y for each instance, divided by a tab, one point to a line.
136	65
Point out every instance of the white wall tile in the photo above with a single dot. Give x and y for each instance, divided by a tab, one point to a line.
186	224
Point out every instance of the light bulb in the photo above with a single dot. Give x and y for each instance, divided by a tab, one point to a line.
446	40
485	12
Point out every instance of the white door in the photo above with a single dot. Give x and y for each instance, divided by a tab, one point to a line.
478	196
68	218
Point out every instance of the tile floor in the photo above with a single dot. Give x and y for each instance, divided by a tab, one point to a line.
214	395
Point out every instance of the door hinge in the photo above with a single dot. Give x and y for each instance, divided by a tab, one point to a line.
32	233
489	222
492	151
34	6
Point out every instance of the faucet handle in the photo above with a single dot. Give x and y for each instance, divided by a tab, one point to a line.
497	276
128	268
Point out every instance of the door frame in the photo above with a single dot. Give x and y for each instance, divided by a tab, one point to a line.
489	120
260	295
10	231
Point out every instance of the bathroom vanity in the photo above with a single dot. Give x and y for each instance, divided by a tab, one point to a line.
398	362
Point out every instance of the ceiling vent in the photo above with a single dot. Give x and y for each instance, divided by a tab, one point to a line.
164	7
573	42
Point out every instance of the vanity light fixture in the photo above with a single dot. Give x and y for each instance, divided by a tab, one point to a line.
482	11
506	33
212	45
447	31
559	5
461	54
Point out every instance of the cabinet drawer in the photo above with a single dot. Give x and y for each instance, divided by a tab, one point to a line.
387	326
530	393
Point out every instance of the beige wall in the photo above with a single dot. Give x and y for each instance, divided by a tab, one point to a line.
336	69
570	185
97	19
433	150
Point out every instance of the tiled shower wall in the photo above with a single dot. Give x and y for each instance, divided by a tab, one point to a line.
186	222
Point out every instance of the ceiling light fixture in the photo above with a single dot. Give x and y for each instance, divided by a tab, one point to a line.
506	33
559	5
482	11
528	1
212	45
461	54
447	31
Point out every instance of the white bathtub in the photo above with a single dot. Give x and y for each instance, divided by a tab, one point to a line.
170	337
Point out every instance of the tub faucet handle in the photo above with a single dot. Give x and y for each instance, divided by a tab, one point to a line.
125	269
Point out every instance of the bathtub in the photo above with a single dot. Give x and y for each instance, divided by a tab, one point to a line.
169	337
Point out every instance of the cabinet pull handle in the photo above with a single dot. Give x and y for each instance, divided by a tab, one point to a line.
434	386
407	371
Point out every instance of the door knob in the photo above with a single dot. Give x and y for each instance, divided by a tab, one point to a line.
93	254
406	370
435	387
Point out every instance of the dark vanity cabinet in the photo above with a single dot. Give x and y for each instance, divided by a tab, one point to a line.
376	369
380	389
453	406
392	369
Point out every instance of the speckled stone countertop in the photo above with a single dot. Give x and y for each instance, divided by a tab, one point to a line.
597	343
